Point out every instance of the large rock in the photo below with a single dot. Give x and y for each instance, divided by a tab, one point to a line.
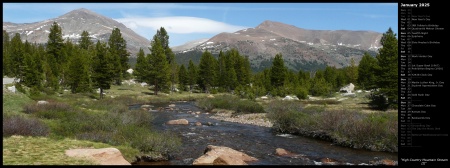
103	156
41	102
178	122
348	88
146	106
130	71
281	152
221	155
286	153
12	89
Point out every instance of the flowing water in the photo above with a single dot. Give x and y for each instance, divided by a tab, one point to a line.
256	141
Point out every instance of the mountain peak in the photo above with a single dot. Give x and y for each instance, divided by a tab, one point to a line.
267	23
73	24
81	12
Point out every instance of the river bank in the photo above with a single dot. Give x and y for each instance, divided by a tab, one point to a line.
258	119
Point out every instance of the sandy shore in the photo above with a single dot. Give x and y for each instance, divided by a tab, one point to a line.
258	119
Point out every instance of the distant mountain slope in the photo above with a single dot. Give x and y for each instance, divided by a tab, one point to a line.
73	24
301	48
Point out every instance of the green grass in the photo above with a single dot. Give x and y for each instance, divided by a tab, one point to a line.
81	116
13	103
19	150
23	150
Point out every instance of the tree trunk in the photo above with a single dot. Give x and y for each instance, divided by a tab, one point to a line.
101	93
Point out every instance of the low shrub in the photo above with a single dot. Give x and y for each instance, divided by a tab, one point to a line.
323	102
230	102
248	106
17	125
157	142
51	110
378	101
373	131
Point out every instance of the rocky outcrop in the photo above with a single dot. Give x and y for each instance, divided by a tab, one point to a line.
178	122
348	88
220	155
103	156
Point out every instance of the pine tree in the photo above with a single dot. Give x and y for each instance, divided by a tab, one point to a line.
141	68
102	75
221	72
231	80
244	71
387	69
278	71
7	62
352	72
159	69
163	37
85	41
183	78
118	50
192	75
319	87
31	75
207	73
17	55
366	72
55	46
67	52
341	78
78	71
330	75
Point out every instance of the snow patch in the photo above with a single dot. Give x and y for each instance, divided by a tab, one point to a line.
47	31
272	39
28	33
93	36
39	28
209	42
262	40
73	35
247	35
310	43
237	33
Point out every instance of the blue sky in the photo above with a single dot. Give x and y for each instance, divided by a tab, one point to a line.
190	21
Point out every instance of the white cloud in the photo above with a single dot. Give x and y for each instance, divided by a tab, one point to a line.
179	24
